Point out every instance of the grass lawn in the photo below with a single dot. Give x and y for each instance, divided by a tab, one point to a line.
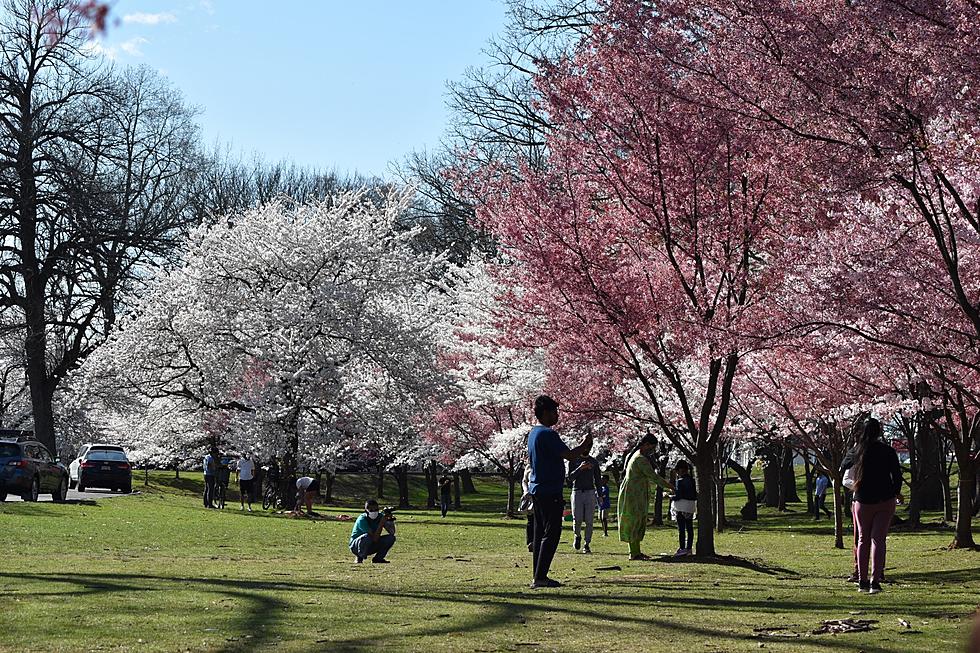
156	572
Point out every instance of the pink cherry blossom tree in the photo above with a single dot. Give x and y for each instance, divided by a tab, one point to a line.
652	247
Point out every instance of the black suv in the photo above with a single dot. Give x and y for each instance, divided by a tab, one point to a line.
28	469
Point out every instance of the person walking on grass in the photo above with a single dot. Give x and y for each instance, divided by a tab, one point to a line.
584	477
548	454
527	506
603	494
877	487
245	474
820	496
445	494
210	476
685	504
634	496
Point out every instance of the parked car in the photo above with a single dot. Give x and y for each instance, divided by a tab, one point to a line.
75	465
27	468
105	466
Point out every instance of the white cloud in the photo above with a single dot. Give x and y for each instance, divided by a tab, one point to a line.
132	46
149	19
96	48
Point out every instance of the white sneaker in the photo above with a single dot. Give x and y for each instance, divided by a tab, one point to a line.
250	508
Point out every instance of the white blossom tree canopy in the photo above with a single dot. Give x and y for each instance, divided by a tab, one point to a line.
283	327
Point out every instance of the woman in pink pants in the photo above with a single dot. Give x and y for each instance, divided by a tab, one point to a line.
877	488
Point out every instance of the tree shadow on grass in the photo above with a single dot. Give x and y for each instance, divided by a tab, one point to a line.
730	561
264	617
938	576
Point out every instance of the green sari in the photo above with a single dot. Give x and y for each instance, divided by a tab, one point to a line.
634	497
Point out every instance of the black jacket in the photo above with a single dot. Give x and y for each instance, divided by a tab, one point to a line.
686	488
882	479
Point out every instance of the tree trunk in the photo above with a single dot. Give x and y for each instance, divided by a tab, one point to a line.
808	483
287	480
457	503
947	497
511	491
750	511
467	477
930	464
431	484
964	504
658	507
838	514
146	474
380	481
401	476
704	466
721	520
329	489
787	479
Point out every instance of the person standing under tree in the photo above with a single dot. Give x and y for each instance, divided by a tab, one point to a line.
685	505
445	494
210	476
877	487
820	496
604	505
585	477
526	506
634	496
246	479
548	454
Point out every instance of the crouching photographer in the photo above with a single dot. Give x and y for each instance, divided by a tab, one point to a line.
373	533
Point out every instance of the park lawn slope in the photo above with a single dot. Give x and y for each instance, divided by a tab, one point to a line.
156	572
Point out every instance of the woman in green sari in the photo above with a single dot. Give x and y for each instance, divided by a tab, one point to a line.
634	496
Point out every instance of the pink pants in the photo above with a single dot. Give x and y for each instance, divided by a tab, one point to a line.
872	521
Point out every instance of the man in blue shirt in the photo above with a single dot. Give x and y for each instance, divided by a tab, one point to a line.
548	454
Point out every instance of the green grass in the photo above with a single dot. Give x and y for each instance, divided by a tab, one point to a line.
156	572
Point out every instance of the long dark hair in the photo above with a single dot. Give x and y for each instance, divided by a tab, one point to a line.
870	433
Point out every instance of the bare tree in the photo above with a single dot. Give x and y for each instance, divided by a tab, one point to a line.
93	171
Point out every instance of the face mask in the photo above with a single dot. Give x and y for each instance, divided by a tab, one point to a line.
373	514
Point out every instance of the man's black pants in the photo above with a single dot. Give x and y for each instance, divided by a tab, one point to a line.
210	487
547	532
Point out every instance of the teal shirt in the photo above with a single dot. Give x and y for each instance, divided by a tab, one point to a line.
364	525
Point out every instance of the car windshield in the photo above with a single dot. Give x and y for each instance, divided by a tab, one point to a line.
8	449
105	454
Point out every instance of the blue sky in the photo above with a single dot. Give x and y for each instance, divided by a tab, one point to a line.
349	85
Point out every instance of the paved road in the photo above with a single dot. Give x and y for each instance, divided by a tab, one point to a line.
75	495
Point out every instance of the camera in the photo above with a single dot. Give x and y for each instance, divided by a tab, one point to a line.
389	512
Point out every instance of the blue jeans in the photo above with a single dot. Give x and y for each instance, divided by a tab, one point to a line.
362	547
445	504
685	526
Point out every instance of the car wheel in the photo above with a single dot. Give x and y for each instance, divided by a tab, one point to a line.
127	489
80	485
33	492
72	484
3	496
61	493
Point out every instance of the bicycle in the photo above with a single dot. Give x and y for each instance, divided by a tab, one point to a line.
220	492
271	497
